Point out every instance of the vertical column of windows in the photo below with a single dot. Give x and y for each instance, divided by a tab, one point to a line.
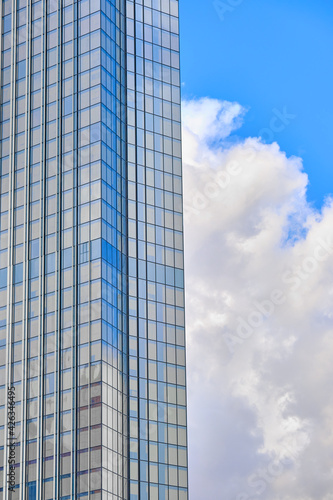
134	470
29	429
157	301
89	252
49	256
114	249
14	235
67	252
34	279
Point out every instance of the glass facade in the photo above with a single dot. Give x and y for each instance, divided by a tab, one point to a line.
92	339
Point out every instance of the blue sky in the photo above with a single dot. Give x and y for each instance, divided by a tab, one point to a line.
258	311
268	55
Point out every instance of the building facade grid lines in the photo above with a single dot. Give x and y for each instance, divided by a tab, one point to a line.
92	328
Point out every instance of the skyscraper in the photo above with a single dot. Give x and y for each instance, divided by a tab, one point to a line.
92	346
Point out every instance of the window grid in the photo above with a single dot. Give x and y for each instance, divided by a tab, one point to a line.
91	248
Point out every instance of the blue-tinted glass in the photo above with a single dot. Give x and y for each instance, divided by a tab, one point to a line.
3	278
32	491
18	273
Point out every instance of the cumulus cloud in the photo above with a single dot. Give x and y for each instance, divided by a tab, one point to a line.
259	278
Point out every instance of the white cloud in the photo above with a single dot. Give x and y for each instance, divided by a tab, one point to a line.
259	269
212	119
